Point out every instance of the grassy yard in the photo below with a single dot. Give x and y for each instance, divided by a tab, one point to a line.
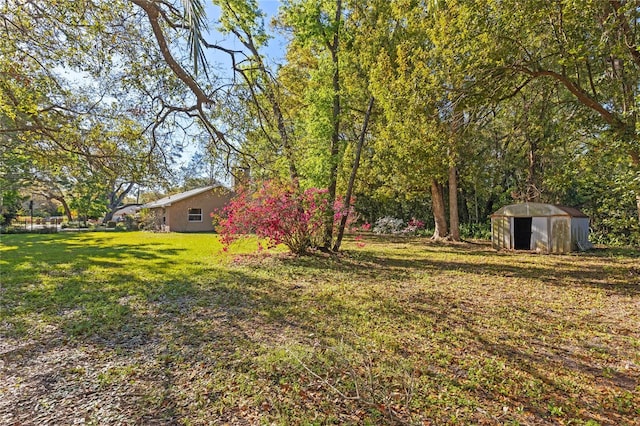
141	328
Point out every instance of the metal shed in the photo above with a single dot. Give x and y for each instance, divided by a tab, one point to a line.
541	227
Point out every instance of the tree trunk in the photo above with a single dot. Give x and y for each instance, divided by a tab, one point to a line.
115	200
454	219
531	172
531	191
65	206
439	214
335	133
456	133
352	178
635	160
488	206
465	214
109	215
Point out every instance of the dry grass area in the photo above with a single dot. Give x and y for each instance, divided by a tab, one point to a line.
140	328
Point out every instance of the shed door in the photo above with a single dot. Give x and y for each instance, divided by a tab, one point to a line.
522	233
539	234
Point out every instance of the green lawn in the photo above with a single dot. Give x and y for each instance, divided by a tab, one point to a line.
142	328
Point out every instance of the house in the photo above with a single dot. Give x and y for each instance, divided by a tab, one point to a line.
188	211
125	210
545	228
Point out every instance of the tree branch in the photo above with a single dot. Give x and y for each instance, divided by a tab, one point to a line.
153	14
579	93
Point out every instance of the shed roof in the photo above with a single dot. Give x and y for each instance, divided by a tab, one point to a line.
536	210
167	201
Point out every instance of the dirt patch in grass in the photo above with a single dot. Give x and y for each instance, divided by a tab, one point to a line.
150	329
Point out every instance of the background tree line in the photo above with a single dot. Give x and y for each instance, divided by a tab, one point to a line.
439	110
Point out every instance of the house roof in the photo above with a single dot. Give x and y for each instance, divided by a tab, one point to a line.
537	209
128	209
167	201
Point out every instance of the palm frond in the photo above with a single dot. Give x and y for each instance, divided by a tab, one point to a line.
195	18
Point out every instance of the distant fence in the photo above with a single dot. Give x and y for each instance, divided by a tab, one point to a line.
38	223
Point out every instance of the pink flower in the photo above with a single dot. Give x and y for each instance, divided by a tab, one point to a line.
279	214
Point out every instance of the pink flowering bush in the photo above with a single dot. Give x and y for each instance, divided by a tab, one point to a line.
277	213
413	226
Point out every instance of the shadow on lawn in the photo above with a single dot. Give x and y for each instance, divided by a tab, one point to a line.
64	294
598	269
62	275
520	373
543	362
116	297
533	345
210	321
555	363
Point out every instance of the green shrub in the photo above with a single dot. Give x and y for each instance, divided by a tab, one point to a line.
13	230
73	224
22	230
476	231
46	230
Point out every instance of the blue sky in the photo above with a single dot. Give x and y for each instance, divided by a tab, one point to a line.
276	47
274	52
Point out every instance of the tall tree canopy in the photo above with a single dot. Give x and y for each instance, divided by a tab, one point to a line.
451	106
590	48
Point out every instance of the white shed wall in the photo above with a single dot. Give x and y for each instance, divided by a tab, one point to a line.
501	232
560	241
579	232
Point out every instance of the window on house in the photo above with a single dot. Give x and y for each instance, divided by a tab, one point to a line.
195	215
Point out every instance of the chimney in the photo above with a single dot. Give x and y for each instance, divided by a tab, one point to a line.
241	176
